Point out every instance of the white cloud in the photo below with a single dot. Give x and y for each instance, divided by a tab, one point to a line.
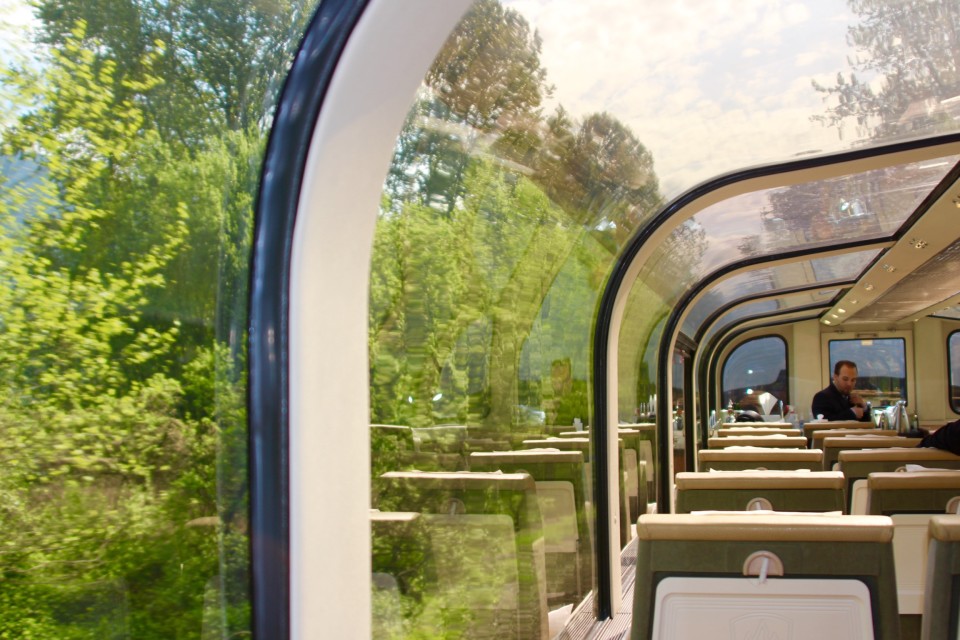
16	22
708	87
797	13
808	58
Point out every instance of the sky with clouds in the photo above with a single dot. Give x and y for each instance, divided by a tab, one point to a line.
16	16
16	20
708	87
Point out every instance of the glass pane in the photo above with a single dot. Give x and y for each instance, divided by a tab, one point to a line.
711	90
499	220
881	367
768	307
953	348
543	137
132	140
806	216
950	312
803	273
755	377
791	316
679	443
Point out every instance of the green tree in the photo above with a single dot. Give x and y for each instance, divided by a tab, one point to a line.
109	505
222	61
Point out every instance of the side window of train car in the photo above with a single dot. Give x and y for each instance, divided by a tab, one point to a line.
953	350
755	376
483	277
130	149
881	366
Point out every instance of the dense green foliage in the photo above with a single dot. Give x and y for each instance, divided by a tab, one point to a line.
124	241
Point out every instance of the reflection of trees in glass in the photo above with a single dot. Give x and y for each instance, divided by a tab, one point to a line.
859	205
910	46
502	201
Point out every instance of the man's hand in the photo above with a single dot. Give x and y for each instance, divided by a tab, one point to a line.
859	406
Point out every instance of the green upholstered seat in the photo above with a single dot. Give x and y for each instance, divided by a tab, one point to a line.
941	607
833	446
816	438
567	525
720	576
911	499
810	427
741	458
743	430
486	537
813	491
776	441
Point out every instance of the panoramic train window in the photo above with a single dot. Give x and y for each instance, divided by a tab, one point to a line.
881	367
544	139
755	377
130	150
953	350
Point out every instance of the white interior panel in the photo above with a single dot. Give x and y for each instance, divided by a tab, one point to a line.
910	559
737	608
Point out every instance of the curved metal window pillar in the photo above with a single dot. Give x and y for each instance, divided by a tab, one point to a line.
348	92
773	294
280	183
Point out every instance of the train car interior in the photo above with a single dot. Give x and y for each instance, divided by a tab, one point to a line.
479	319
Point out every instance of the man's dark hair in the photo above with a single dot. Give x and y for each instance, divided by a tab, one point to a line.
841	364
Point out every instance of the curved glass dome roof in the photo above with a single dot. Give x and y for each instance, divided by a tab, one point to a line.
708	89
817	299
793	275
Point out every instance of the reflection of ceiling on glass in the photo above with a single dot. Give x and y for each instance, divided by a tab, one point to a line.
785	276
762	223
951	312
803	273
854	207
767	306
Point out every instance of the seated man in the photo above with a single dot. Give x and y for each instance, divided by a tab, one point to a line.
838	401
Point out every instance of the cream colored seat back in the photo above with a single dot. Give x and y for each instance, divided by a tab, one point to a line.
940	607
911	499
808	491
764	576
